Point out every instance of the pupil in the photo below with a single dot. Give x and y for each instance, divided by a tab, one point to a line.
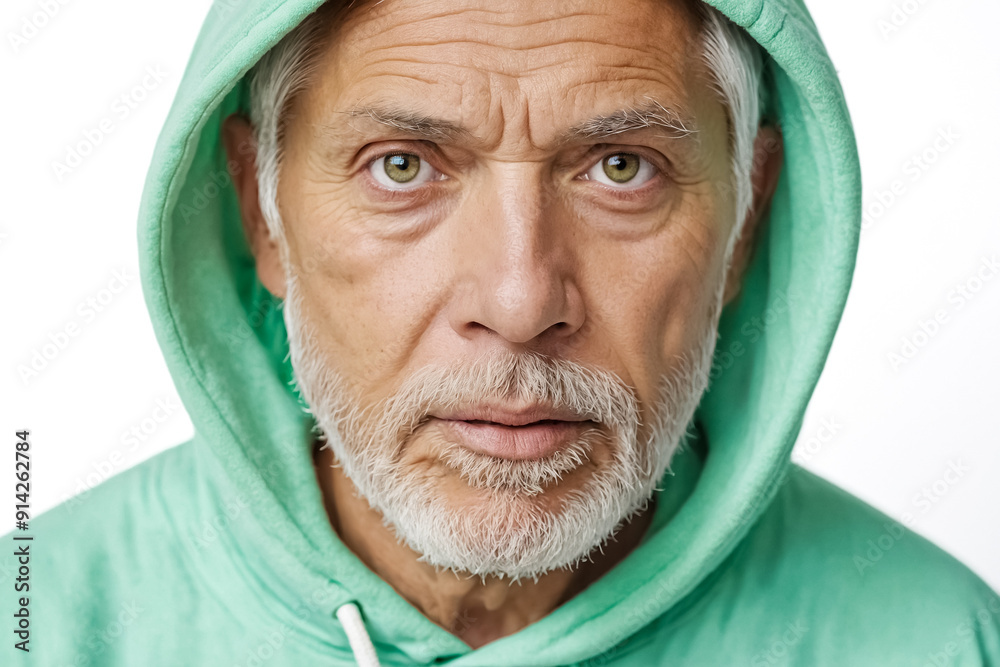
621	168
402	168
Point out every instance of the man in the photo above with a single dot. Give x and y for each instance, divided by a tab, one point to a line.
554	282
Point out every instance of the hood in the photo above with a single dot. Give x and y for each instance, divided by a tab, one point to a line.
225	343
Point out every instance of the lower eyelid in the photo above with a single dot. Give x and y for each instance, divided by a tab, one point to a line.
400	195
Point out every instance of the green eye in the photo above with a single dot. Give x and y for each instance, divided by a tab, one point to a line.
621	167
402	168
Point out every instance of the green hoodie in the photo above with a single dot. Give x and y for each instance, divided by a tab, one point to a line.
219	551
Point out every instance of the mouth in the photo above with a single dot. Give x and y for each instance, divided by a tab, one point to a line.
529	434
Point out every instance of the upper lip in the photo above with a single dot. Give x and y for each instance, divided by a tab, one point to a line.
510	416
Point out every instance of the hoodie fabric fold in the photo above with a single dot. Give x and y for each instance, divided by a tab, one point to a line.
219	551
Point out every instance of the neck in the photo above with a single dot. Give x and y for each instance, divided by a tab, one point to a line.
476	610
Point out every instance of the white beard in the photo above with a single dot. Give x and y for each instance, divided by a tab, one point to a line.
517	532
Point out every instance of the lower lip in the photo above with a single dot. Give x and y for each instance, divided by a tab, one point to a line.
531	441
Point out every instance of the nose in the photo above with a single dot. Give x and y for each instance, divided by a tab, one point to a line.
519	275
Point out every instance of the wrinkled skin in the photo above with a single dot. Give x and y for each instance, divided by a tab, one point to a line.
513	240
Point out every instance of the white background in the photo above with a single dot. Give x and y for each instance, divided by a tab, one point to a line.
892	431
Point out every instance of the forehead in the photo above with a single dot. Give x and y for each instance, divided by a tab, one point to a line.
524	73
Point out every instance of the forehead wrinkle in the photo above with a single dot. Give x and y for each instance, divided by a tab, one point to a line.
426	25
651	114
502	14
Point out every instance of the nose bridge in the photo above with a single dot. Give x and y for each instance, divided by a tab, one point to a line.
522	269
528	266
526	240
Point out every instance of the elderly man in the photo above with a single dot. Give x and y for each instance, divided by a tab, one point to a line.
497	323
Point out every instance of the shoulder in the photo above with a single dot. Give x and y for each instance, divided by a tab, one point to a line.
813	517
90	559
865	585
100	532
136	503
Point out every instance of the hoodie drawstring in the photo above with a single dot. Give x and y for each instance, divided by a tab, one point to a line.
357	635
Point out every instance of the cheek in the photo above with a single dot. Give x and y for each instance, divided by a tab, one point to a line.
659	307
366	299
690	284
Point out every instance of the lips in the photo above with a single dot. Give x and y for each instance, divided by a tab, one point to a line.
533	432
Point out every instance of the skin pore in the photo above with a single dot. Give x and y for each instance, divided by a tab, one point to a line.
513	234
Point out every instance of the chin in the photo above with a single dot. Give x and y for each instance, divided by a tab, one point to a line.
488	522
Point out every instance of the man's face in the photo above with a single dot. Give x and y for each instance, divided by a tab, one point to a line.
462	234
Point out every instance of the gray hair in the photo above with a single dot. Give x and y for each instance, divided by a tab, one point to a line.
732	56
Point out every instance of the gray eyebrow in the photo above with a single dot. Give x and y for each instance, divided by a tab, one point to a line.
410	122
651	114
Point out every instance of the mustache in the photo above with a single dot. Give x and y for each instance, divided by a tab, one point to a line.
501	375
507	531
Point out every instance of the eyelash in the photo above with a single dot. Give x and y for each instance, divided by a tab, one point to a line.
625	194
368	163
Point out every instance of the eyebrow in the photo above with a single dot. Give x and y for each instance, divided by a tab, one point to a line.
410	122
651	114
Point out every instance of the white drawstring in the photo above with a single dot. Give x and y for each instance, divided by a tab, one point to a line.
357	635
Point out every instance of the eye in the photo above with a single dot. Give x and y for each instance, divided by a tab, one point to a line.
402	171
622	171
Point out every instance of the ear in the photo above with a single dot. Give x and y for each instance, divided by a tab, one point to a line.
768	155
241	151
